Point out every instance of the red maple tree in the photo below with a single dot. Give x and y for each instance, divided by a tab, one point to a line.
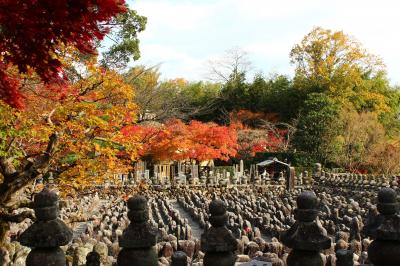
32	33
257	133
176	140
211	141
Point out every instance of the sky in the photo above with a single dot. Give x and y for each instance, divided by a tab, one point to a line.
183	35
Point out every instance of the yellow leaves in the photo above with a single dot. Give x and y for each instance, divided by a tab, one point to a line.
19	129
358	136
179	82
336	64
89	119
96	147
374	101
327	56
104	105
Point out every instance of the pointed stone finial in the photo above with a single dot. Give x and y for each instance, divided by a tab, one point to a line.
179	258
93	259
217	242
47	234
306	237
139	238
344	257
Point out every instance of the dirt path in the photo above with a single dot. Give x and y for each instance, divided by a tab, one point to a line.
196	230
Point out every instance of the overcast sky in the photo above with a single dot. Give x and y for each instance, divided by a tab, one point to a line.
184	34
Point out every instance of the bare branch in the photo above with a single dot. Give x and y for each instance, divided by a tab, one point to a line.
233	62
91	88
48	117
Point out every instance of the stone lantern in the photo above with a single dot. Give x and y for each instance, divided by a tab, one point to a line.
385	230
307	238
217	242
47	233
139	239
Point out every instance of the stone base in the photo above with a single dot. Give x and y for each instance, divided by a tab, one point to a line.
52	256
304	258
138	257
219	259
384	253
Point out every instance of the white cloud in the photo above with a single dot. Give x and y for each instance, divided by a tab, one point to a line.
173	63
172	15
184	34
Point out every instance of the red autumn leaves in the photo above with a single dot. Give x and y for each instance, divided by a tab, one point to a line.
176	140
34	33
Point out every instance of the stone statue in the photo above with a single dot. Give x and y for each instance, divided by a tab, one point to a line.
306	237
217	242
139	238
47	234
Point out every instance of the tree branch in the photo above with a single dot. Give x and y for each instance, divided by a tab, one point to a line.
19	179
16	218
19	205
91	88
48	117
10	145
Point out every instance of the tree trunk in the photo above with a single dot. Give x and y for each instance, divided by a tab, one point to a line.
4	227
15	180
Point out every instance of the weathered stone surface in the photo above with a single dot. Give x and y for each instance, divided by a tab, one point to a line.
80	253
138	236
167	250
187	246
179	258
93	259
344	258
257	215
139	239
243	258
46	256
138	256
384	250
47	233
306	237
102	250
217	242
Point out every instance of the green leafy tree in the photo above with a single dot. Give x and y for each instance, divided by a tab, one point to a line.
232	97
316	126
281	98
163	100
124	37
202	100
256	94
347	80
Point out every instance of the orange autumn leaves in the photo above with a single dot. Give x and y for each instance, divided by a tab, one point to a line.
98	134
176	140
87	117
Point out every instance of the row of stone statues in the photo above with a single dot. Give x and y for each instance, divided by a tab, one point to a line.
358	181
306	237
